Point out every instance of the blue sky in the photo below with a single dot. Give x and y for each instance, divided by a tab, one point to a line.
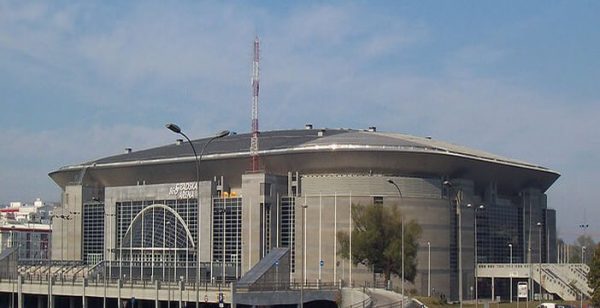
79	81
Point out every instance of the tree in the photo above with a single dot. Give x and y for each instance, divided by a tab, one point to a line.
377	240
582	241
594	277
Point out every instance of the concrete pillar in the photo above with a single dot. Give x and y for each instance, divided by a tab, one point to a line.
156	301
119	292
20	291
71	302
233	305
83	299
50	296
493	297
40	301
180	293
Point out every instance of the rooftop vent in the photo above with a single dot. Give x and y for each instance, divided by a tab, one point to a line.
127	150
428	137
372	129
178	141
308	126
321	133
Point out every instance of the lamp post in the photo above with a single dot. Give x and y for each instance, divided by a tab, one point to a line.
304	206
511	262
529	261
107	255
176	129
583	227
168	223
475	209
428	269
459	195
402	243
581	289
223	211
539	224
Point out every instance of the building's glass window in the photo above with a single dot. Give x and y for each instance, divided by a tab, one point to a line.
498	226
287	227
265	189
227	234
93	232
164	232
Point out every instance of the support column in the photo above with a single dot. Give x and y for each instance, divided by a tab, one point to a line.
50	296
156	301
40	301
180	293
71	302
20	291
493	297
233	305
83	298
119	292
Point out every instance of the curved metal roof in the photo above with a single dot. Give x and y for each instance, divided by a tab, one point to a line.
303	141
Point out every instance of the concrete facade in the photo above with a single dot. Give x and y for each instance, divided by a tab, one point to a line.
327	171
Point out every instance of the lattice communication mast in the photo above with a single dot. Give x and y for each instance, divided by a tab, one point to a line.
255	87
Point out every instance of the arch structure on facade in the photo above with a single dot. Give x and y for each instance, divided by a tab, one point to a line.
159	228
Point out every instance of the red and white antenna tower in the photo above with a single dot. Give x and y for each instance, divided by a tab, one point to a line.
255	87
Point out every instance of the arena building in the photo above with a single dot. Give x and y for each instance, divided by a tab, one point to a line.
140	213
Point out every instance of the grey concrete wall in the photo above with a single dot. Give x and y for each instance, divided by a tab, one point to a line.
254	235
251	228
328	200
67	231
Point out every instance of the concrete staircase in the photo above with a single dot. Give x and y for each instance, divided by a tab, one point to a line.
567	281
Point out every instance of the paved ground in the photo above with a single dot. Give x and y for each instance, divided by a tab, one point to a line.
383	298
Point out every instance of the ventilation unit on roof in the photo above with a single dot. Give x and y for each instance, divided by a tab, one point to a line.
372	129
308	126
321	133
178	141
127	150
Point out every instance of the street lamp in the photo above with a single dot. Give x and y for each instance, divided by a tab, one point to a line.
511	262
583	227
428	269
475	209
223	211
110	259
539	224
402	243
459	195
176	129
304	206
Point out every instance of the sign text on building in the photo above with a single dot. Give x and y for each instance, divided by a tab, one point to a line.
184	190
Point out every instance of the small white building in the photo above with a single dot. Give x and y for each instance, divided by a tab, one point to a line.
22	226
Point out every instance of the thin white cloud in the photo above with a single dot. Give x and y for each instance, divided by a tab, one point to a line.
321	64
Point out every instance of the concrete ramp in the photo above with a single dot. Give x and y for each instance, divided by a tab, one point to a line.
271	273
268	284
